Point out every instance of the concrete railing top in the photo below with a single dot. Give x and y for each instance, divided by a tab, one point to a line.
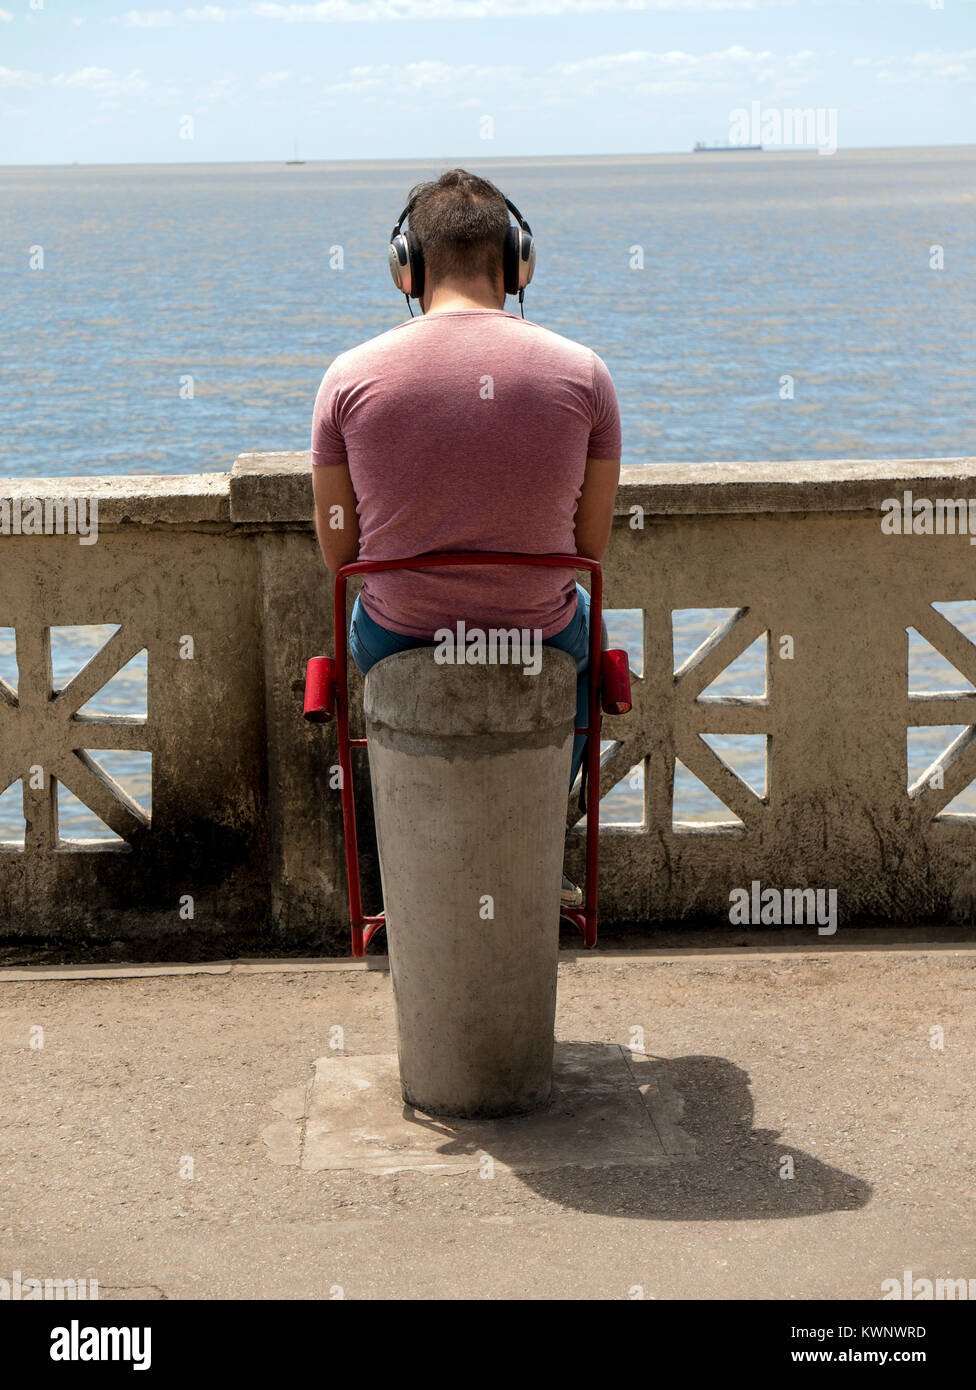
274	488
143	499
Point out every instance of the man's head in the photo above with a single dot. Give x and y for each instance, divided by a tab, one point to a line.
461	222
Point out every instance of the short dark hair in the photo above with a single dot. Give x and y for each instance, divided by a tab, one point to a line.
461	222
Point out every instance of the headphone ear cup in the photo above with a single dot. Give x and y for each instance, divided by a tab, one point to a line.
418	272
510	259
400	262
407	264
519	259
526	258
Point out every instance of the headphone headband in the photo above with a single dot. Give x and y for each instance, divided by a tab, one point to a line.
407	257
508	203
517	215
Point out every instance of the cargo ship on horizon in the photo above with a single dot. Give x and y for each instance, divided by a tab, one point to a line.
701	148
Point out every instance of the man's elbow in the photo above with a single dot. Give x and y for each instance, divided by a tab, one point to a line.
592	545
335	558
337	549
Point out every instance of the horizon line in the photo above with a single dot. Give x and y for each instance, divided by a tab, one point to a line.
487	159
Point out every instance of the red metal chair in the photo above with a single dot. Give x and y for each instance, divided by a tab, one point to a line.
326	695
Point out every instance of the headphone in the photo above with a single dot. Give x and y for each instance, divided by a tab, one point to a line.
407	258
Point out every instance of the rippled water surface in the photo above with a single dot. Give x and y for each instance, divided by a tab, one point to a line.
754	268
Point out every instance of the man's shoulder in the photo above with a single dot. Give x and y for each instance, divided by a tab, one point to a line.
555	343
423	335
371	349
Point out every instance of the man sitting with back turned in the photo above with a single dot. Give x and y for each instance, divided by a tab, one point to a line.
468	428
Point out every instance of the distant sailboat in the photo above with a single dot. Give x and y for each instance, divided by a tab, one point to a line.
296	160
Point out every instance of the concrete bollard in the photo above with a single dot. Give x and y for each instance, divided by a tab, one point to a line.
470	773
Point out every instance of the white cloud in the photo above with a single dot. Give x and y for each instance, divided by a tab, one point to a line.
643	73
628	75
433	78
18	77
924	66
268	81
6	17
165	19
726	62
378	11
637	70
604	62
102	80
219	90
149	19
372	11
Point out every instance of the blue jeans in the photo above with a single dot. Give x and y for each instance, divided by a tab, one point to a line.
370	642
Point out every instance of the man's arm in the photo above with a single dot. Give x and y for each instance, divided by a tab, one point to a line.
594	511
336	521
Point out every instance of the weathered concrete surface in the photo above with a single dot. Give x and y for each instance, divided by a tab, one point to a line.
189	499
836	812
189	600
825	1059
790	485
609	1106
469	768
306	868
245	808
272	488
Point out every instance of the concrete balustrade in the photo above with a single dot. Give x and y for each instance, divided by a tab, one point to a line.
245	829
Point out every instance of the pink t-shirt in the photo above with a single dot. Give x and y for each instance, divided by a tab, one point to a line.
466	430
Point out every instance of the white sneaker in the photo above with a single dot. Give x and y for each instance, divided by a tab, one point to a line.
571	896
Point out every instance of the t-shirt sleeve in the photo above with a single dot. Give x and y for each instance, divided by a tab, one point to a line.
328	445
605	435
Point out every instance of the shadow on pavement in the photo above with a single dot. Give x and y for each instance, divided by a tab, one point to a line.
717	1166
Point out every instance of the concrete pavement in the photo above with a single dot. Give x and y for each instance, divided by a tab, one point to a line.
821	1101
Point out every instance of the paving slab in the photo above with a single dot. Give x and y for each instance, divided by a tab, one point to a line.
610	1106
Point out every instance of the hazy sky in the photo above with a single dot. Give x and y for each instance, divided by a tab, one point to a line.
100	81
